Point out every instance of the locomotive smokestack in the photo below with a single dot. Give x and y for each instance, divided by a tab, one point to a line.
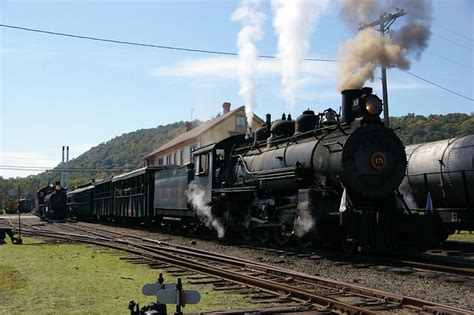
348	97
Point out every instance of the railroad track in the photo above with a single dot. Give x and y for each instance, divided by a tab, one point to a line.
323	295
440	260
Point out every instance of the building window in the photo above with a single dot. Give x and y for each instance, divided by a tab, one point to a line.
240	123
175	158
168	159
191	149
181	157
160	161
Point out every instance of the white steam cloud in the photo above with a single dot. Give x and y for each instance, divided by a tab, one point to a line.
305	221
293	22
203	210
251	32
407	193
361	55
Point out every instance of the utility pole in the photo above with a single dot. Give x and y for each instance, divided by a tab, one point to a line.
19	212
385	21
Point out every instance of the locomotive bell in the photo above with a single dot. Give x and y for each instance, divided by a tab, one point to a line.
329	117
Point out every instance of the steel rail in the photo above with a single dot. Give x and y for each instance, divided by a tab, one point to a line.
312	280
323	303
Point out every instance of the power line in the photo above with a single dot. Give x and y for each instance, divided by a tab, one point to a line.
453	32
448	59
204	51
26	158
59	169
440	86
215	52
452	41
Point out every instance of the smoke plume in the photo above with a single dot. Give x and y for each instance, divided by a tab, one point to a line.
362	54
204	211
293	22
356	12
251	32
416	33
369	49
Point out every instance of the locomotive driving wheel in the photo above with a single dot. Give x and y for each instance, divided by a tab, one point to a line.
282	234
264	234
304	241
247	230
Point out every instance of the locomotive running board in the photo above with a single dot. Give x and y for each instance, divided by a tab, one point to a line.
248	189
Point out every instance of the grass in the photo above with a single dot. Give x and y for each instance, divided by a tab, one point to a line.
53	278
462	236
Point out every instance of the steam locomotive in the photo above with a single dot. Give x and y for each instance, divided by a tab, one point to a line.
328	177
52	202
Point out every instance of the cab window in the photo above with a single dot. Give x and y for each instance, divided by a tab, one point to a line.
201	163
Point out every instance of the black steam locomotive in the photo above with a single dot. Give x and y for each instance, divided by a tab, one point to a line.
52	202
328	177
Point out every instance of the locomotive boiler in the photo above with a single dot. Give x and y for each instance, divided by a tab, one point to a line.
440	177
328	176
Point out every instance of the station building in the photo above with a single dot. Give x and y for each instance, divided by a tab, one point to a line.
178	150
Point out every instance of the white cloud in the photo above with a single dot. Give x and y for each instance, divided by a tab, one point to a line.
227	68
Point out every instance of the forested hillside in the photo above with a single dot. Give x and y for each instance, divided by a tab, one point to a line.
118	155
126	152
416	128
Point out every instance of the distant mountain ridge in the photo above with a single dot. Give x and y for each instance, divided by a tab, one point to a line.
115	156
125	152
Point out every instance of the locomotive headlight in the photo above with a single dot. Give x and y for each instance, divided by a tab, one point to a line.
373	105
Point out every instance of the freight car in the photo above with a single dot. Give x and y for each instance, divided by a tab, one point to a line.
440	177
52	202
326	177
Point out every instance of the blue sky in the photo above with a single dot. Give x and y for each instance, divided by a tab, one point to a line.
61	91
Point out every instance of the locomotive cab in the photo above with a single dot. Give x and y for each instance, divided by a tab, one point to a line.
212	165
